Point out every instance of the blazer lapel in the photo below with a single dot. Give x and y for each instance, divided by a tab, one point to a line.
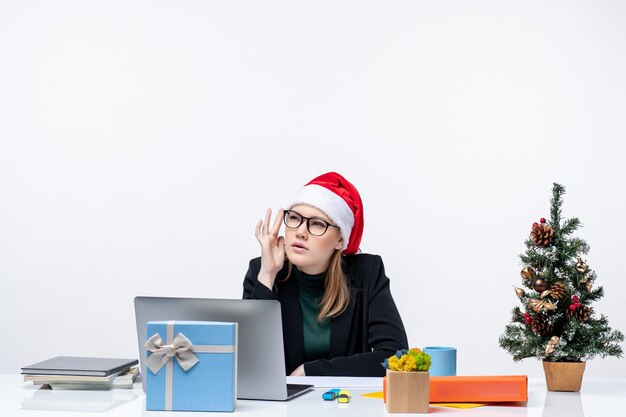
293	334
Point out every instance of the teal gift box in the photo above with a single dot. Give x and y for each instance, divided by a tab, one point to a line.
192	366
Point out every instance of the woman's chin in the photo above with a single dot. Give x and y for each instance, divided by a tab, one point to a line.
298	259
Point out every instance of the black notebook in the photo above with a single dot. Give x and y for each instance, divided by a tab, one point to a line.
74	365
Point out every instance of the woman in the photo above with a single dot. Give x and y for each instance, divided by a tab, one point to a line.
338	314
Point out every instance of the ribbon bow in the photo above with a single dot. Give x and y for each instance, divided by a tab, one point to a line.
181	349
539	304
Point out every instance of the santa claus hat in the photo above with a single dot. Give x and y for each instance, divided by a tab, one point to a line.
340	201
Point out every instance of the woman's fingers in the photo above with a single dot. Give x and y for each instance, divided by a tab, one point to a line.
277	222
264	235
266	226
257	230
272	246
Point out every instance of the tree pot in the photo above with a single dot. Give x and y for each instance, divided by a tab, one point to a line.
564	376
407	392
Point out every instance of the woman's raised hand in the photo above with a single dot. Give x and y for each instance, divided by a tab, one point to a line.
272	248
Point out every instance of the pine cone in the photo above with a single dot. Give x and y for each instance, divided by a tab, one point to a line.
540	326
542	234
556	291
581	313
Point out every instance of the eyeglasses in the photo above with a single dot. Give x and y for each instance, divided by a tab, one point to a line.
316	227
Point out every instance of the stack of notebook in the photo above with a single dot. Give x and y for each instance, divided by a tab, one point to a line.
71	372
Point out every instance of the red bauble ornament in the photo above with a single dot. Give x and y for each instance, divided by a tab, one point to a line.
542	220
535	224
527	318
575	299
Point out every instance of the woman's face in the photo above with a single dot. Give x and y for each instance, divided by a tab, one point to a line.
311	254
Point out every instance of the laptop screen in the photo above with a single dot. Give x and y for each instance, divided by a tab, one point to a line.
260	357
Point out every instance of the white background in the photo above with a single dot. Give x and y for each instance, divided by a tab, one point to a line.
141	141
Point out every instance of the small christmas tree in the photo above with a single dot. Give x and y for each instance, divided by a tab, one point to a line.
557	322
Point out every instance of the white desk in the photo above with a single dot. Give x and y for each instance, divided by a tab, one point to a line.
599	397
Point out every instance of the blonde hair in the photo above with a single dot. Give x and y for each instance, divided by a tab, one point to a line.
336	295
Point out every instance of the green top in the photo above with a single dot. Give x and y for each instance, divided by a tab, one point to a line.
316	335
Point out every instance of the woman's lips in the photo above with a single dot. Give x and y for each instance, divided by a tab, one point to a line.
297	248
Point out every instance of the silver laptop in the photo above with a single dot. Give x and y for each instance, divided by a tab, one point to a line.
260	357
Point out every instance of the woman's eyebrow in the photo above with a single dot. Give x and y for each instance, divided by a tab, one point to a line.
320	218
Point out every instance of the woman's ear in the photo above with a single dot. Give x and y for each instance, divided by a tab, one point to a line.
339	244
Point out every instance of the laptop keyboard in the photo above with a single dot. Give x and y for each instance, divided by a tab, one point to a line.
293	389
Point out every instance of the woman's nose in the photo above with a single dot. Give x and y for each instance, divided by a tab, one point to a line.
302	230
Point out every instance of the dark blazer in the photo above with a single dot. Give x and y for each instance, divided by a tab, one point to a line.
366	333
